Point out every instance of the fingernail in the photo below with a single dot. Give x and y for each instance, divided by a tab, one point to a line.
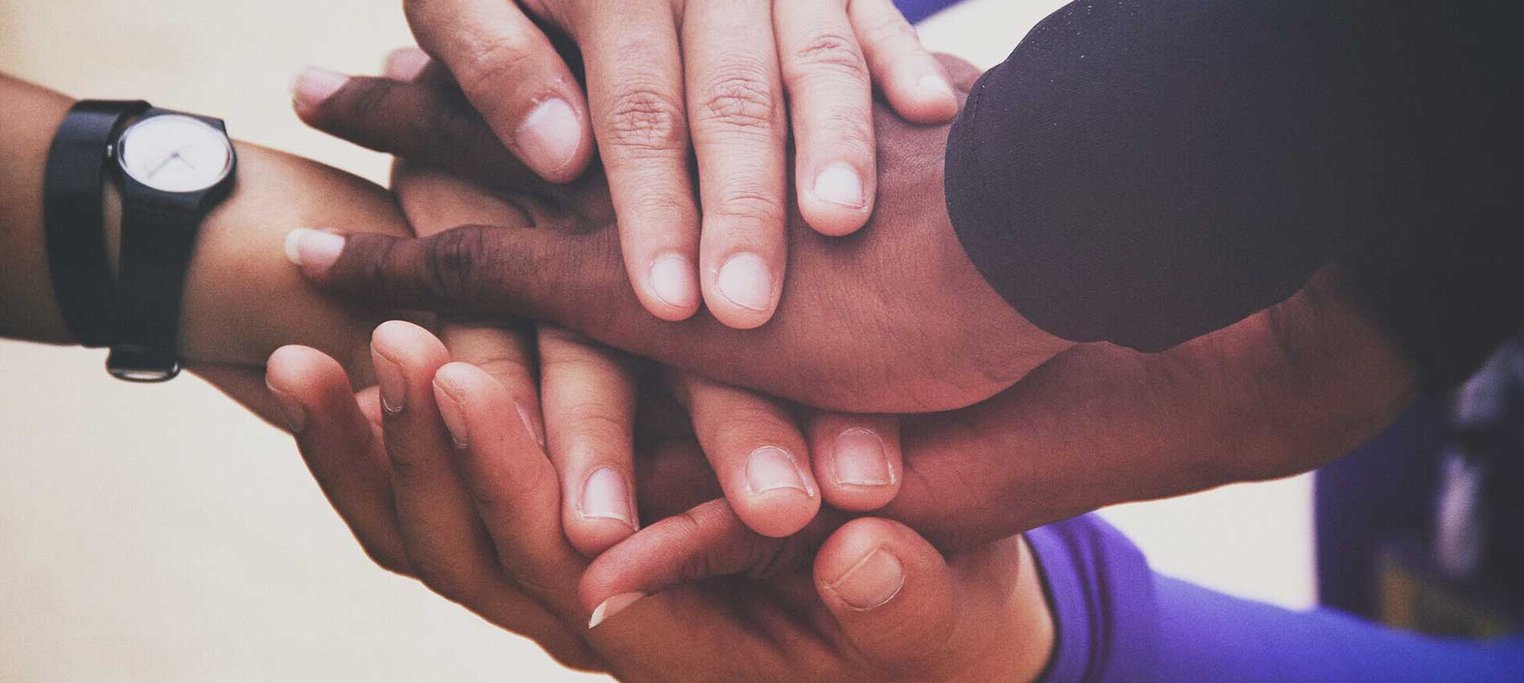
531	426
450	411
935	85
312	86
612	606
839	183
393	384
406	64
672	280
549	135
860	459
872	582
295	414
745	282
771	468
313	250
605	496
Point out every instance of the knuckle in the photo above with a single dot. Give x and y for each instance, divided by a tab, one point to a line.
833	52
449	270
645	119
739	98
491	67
751	206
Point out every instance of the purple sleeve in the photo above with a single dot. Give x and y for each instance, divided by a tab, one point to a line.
1118	621
916	10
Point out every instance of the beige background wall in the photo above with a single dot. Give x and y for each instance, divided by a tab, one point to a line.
159	534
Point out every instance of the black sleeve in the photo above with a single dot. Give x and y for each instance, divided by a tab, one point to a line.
1146	171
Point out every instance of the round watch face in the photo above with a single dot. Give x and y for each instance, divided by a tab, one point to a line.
174	153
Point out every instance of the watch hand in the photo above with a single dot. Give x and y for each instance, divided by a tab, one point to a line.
155	170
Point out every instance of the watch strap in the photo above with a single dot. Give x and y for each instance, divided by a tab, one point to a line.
158	239
72	215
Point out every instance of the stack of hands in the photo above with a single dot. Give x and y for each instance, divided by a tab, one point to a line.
619	426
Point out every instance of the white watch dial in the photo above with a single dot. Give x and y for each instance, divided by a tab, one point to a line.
174	153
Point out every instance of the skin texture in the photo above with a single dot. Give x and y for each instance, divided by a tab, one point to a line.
892	319
1281	392
666	78
446	490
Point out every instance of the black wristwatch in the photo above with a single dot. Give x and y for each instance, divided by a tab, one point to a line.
175	168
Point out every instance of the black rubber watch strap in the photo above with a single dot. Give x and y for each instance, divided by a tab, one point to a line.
72	216
156	253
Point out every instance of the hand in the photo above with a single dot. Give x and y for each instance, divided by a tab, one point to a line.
895	319
763	459
1282	392
442	487
658	71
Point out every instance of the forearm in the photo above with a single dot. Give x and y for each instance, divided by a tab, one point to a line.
242	299
1118	621
1146	172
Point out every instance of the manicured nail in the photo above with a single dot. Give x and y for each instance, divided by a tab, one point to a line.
393	384
860	459
313	250
605	496
872	582
450	411
549	135
771	468
295	414
935	85
531	426
745	282
672	280
612	606
839	183
312	86
406	64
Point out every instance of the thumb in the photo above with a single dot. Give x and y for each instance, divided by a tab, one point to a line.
470	271
891	593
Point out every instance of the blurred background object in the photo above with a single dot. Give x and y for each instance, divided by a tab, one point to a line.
161	535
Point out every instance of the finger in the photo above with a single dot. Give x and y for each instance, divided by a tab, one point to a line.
412	121
512	74
507	356
590	409
739	130
405	64
634	80
705	542
438	521
757	453
831	108
340	448
912	80
511	484
479	271
339	442
467	270
856	458
894	597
